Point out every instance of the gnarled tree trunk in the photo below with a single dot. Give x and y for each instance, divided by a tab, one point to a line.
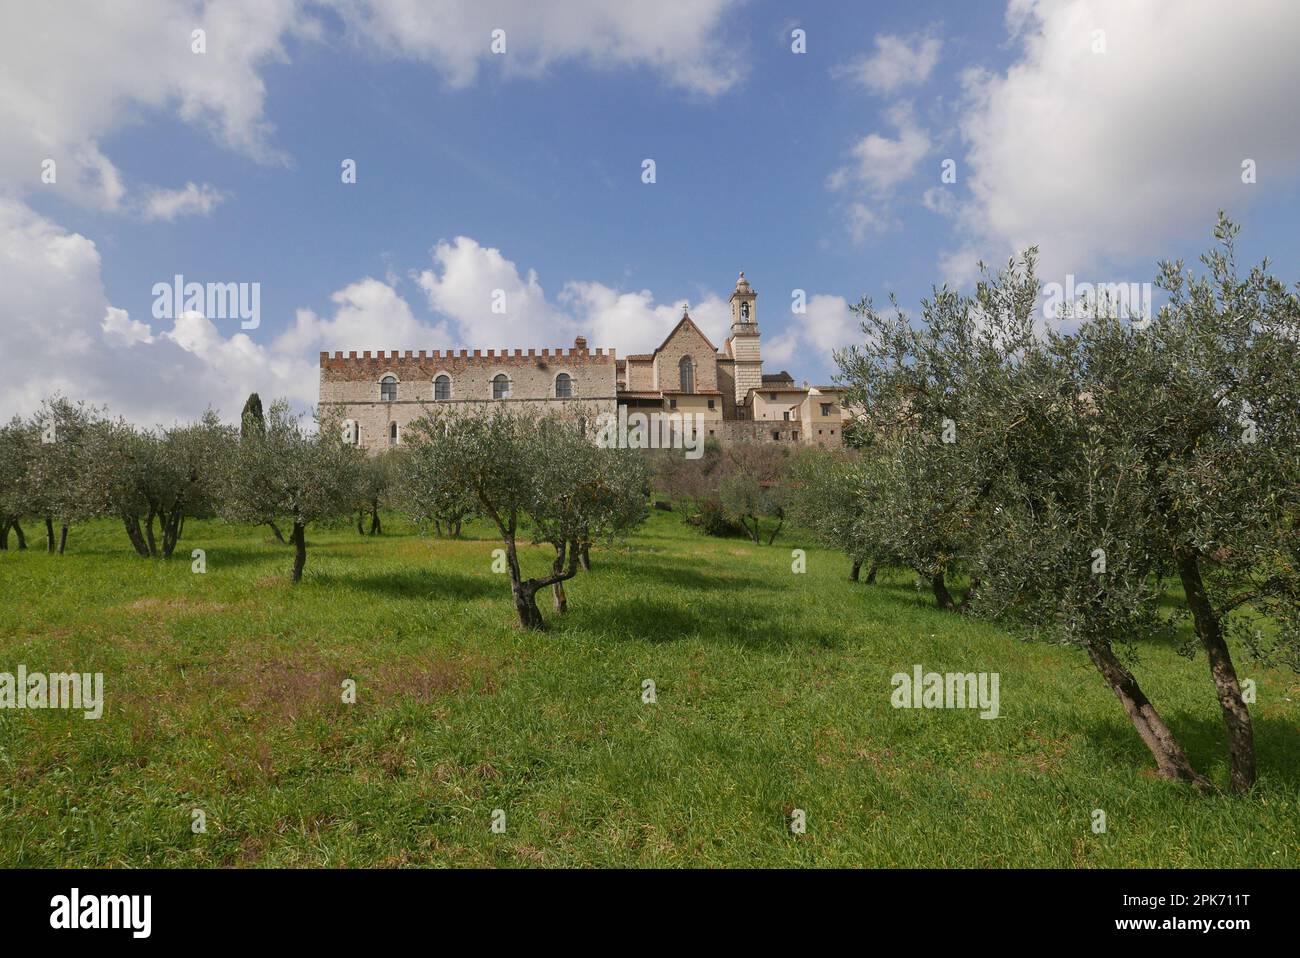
855	571
299	539
1171	760
63	537
49	534
132	525
941	593
871	572
1236	717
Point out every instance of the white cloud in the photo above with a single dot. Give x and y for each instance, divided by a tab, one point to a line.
487	300
827	324
73	74
897	62
193	200
60	334
632	322
680	41
370	314
881	163
1106	157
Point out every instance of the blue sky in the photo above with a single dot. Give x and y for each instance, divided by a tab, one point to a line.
817	171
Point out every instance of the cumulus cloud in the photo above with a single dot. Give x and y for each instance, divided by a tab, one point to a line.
60	334
827	324
72	74
1105	151
880	165
896	63
679	41
193	200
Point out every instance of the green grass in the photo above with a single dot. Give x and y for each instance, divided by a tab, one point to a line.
223	693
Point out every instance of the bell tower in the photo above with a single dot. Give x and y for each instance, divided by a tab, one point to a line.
744	318
743	344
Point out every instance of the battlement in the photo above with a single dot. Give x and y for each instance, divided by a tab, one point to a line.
424	360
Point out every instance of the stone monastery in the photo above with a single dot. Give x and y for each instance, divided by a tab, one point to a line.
384	392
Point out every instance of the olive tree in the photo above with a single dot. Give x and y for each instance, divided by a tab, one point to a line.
16	439
55	488
530	476
825	500
374	487
292	472
143	476
581	494
1206	398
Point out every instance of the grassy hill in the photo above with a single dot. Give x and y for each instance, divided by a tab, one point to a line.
223	693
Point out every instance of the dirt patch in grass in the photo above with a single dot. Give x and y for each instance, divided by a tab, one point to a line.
426	680
177	605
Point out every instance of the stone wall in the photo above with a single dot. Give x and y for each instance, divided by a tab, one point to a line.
350	385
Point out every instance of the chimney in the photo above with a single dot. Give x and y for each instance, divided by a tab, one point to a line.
580	344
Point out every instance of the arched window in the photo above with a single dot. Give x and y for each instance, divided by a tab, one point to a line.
564	386
442	388
388	389
500	386
687	366
392	434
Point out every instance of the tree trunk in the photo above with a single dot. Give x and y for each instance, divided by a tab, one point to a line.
969	597
941	593
375	527
524	592
1171	760
779	523
49	534
557	588
360	529
1236	717
584	556
455	532
148	531
22	539
299	538
63	537
871	572
171	529
4	536
132	525
853	572
276	529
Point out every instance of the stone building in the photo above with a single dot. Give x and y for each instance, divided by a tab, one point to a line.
687	374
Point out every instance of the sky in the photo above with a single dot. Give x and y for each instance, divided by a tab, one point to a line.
501	196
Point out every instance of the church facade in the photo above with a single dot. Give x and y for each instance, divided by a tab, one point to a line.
379	395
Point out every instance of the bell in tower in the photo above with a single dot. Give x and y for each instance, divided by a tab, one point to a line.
743	319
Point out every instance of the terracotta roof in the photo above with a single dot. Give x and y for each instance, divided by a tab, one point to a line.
644	357
698	392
